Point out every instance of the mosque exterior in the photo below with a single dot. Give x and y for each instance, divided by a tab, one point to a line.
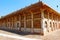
36	18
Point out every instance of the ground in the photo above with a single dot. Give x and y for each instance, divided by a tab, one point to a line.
4	35
55	35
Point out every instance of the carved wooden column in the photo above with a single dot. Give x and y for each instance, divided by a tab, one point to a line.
52	22
12	23
7	23
49	28
32	27
15	22
57	23
42	22
24	22
19	23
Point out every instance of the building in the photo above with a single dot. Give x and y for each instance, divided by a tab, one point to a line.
36	18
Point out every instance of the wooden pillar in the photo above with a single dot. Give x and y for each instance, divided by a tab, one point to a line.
42	22
19	23
52	22
57	23
24	22
7	23
48	23
48	16
32	27
0	24
12	23
16	22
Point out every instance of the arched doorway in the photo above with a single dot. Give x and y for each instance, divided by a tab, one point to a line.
46	26
17	26
51	26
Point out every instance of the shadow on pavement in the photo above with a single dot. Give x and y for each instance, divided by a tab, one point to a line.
20	32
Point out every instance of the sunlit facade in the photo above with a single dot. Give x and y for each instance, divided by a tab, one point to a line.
36	18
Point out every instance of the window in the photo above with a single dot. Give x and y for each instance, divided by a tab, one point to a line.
17	25
53	25
50	24
45	24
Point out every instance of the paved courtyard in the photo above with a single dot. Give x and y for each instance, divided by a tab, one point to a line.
12	36
4	35
52	36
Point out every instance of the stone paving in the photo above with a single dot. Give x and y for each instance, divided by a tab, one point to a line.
12	36
52	36
7	38
55	35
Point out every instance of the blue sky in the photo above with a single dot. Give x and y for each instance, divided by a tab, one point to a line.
9	6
